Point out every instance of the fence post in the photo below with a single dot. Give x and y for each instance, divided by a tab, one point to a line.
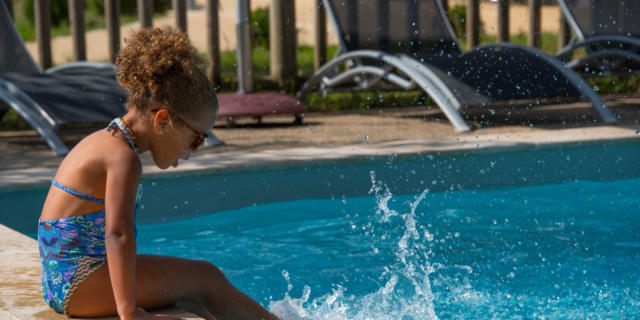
320	48
564	34
243	47
534	36
473	24
112	16
213	44
503	20
145	13
282	40
180	10
76	20
43	32
10	7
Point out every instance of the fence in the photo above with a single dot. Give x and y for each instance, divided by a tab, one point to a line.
282	30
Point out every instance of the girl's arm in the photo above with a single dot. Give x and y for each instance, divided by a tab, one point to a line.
123	172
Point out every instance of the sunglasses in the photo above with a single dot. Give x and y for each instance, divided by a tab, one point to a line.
200	136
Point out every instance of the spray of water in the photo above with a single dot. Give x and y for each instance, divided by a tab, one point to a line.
406	293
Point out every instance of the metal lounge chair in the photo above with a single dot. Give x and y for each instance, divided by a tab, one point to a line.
410	45
609	32
71	93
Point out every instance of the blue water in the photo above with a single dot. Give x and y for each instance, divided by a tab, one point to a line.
555	251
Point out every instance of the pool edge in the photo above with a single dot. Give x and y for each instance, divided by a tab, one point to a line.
20	296
242	161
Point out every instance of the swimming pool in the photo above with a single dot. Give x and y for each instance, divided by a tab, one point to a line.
547	232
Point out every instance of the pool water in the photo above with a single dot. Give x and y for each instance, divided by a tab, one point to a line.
550	251
525	232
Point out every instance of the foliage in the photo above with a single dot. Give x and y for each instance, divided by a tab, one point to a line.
94	15
59	11
260	27
549	41
364	100
304	58
13	121
127	7
457	18
616	85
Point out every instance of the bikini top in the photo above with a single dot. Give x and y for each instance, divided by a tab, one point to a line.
98	216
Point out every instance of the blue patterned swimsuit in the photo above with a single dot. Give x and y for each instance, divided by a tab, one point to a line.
72	248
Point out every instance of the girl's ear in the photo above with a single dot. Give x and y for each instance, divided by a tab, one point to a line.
160	120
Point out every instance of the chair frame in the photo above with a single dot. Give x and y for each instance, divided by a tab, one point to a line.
407	73
32	111
28	108
579	40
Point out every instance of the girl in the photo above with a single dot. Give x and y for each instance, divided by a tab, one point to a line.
87	232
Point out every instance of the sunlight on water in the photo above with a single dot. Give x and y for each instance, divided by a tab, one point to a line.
406	293
556	251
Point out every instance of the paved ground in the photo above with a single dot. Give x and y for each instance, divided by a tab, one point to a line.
25	149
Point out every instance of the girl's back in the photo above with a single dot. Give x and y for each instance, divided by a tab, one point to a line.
84	170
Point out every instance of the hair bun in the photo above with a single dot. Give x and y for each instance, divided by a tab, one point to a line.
153	58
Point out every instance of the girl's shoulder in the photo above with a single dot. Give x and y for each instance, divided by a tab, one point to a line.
115	154
99	152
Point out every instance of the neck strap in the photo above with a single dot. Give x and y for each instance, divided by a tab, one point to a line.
118	122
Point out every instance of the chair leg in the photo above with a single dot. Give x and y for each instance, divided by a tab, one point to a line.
44	128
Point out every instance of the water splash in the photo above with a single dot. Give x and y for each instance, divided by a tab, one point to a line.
406	291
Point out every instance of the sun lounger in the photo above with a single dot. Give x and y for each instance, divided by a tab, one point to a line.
88	92
410	45
608	31
71	93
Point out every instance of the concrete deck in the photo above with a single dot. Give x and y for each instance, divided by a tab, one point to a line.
27	161
20	276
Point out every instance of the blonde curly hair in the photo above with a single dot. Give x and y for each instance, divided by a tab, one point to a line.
160	66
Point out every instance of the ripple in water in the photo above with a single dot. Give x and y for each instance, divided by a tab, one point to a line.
406	293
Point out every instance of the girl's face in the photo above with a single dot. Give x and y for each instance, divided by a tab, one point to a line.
177	137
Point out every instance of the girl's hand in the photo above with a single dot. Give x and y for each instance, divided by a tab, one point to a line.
140	314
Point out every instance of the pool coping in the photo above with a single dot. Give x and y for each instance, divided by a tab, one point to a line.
241	161
18	299
19	253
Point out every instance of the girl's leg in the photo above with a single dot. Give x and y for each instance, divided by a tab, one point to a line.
162	281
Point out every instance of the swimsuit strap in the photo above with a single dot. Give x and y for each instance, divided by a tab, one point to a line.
118	122
76	193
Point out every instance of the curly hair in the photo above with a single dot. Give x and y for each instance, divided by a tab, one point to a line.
160	66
